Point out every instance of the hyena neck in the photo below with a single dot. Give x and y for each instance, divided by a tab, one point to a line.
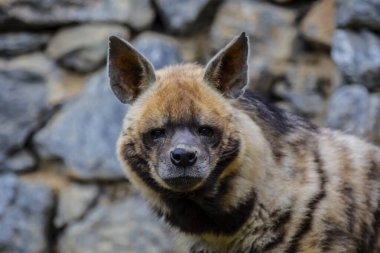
276	124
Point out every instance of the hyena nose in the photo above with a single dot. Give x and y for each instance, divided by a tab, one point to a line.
183	158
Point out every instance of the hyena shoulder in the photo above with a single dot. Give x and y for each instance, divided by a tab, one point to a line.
233	173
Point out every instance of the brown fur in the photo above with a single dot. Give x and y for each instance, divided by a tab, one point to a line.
284	184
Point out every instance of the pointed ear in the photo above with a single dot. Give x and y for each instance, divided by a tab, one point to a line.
228	70
129	72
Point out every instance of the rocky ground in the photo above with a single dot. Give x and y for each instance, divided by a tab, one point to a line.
61	187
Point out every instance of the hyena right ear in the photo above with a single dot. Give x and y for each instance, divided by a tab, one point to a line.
130	73
228	70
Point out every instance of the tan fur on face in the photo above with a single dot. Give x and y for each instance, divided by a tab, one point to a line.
180	93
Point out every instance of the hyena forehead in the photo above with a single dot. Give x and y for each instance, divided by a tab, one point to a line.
181	95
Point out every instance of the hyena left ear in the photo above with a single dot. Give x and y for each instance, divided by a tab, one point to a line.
228	70
130	73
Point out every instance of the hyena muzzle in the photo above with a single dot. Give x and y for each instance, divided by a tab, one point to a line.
233	173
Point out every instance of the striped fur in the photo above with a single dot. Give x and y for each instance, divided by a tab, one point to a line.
276	184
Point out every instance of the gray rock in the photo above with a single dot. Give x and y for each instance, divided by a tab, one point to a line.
180	16
138	14
22	160
358	56
124	226
271	28
319	23
85	131
374	118
61	85
23	101
310	81
84	48
25	210
314	73
20	43
35	62
350	111
306	104
161	50
359	13
265	73
74	202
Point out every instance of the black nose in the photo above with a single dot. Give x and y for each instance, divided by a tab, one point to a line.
183	158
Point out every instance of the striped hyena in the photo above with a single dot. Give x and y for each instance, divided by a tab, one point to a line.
233	173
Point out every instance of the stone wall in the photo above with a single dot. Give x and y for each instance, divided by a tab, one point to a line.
61	187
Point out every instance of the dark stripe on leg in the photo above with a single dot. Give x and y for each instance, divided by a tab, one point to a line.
346	188
375	176
337	232
349	199
312	206
278	228
375	229
334	233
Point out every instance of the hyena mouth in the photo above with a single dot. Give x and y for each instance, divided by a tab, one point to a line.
183	183
182	179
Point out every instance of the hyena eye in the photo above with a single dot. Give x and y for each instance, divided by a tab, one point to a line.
206	131
157	133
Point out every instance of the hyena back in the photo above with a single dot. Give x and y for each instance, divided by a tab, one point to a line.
233	173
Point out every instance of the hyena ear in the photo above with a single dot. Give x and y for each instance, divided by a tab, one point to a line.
228	70
130	73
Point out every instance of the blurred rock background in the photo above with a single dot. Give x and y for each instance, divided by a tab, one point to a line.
61	187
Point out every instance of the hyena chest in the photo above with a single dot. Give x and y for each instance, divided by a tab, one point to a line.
262	232
207	216
248	227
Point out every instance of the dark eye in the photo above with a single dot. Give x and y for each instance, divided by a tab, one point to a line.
206	131
157	133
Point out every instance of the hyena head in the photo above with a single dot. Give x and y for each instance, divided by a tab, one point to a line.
180	132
